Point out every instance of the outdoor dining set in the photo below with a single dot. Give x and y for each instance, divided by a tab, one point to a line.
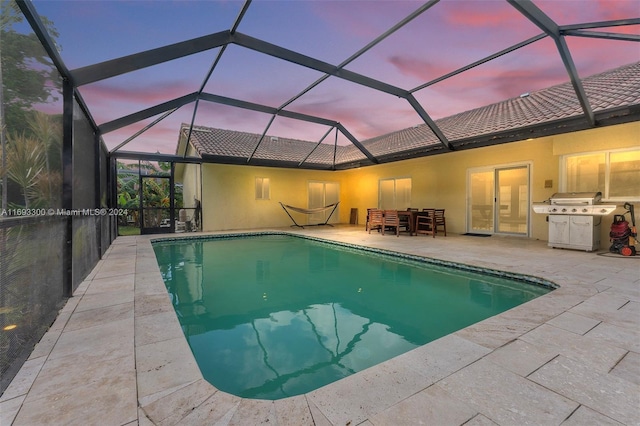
414	221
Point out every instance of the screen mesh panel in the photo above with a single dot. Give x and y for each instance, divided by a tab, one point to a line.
85	183
31	277
34	228
85	247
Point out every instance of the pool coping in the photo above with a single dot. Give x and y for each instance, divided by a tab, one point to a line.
327	404
383	253
448	375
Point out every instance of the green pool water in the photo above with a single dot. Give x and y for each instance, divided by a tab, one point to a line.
273	316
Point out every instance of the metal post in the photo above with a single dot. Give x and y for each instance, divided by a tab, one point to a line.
67	184
97	185
3	143
112	191
172	204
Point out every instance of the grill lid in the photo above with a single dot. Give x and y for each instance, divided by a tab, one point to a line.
575	198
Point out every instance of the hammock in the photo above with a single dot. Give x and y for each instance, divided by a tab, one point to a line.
309	211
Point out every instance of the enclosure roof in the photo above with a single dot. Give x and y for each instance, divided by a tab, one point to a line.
362	82
615	94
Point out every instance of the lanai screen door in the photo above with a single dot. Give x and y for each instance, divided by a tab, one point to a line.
498	200
322	194
156	195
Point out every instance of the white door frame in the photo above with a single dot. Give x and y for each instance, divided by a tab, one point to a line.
495	169
322	217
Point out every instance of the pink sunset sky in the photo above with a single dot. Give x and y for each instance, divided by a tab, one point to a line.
448	36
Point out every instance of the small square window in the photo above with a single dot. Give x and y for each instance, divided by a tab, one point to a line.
262	189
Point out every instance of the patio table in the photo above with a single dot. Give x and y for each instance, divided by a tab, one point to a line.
412	216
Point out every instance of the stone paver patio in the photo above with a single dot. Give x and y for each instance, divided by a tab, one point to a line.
116	354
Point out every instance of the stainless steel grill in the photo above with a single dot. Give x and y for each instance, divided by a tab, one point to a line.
573	221
575	203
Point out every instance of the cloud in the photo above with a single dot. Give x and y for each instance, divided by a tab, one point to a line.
482	14
111	101
225	117
565	12
162	137
362	19
423	69
446	37
139	93
363	116
510	83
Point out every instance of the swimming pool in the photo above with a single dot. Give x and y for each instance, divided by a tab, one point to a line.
275	315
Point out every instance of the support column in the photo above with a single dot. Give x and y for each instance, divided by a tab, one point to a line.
67	184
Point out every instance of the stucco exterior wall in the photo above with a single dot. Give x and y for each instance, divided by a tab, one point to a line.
229	200
190	178
191	182
437	181
441	181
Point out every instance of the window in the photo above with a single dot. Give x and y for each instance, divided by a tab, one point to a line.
614	173
395	194
262	189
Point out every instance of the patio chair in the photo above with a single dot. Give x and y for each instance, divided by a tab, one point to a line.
425	222
405	220
391	220
439	221
375	220
366	222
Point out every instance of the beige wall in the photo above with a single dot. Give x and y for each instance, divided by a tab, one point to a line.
229	200
190	178
437	181
191	181
441	181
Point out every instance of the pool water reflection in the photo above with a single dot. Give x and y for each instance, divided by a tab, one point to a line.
273	316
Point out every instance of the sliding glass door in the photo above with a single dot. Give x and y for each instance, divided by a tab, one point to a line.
513	200
322	194
498	200
481	189
394	194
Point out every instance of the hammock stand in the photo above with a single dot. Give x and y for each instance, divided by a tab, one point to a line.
309	211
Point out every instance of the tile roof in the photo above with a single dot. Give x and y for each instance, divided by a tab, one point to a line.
611	90
234	144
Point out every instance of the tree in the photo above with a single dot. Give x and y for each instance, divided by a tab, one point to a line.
48	132
155	191
27	77
28	74
31	164
26	162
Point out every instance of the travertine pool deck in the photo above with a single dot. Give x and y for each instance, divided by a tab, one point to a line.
116	354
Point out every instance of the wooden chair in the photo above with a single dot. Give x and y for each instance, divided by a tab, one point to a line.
391	220
375	220
405	220
425	222
439	221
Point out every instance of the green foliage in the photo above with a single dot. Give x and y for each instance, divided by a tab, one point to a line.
31	140
33	162
155	189
25	163
28	74
128	230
